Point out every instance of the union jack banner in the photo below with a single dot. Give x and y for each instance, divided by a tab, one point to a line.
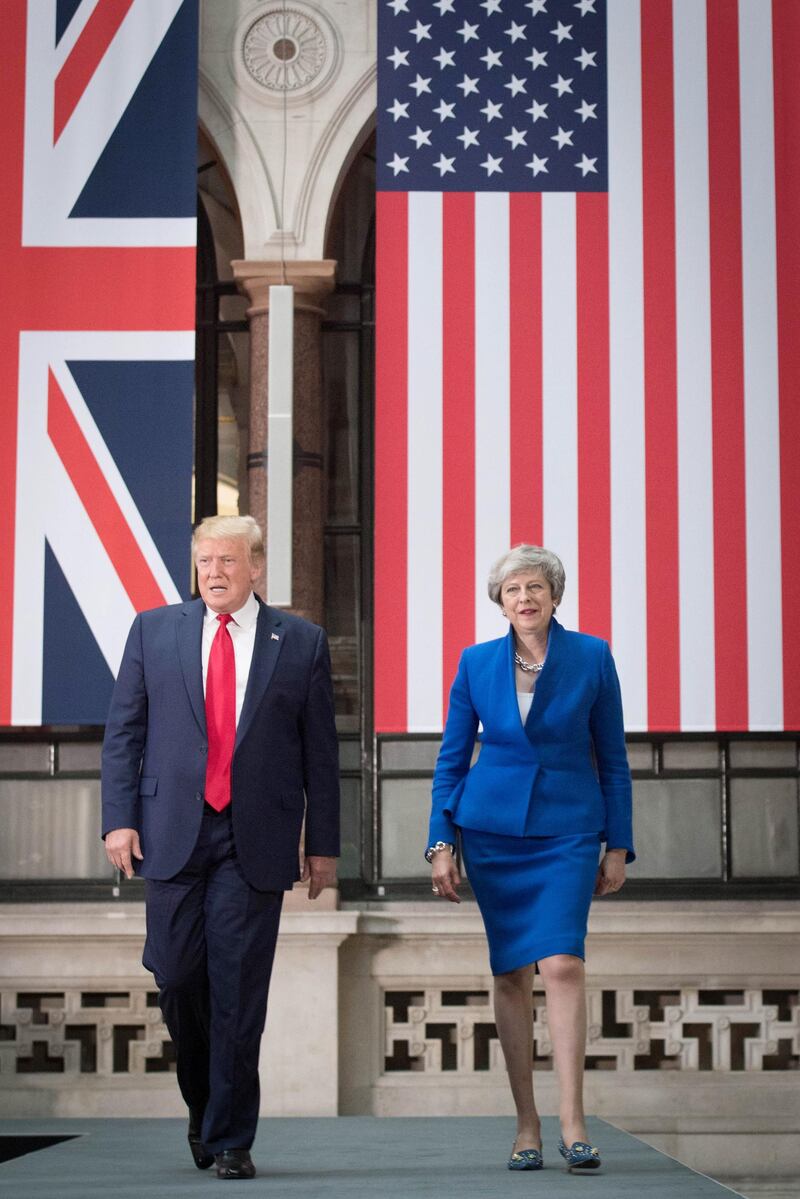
588	286
97	138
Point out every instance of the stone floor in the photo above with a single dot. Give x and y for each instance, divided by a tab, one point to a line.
357	1157
760	1188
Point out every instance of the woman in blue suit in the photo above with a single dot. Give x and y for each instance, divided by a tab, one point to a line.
551	783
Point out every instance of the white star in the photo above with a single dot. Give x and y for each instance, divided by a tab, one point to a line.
443	111
398	164
563	137
537	165
421	31
515	85
537	59
398	110
469	137
492	110
491	6
398	59
445	165
537	110
445	58
444	6
468	32
586	165
492	58
492	165
517	138
562	31
398	6
586	111
537	6
585	6
515	32
468	86
586	58
562	85
420	85
422	137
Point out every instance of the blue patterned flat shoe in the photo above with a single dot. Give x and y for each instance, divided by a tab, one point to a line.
580	1155
526	1159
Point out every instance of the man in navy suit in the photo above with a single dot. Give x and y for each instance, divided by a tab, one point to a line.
219	740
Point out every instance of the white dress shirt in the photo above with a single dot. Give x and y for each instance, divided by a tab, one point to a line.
242	628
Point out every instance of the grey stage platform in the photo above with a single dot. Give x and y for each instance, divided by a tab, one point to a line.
350	1156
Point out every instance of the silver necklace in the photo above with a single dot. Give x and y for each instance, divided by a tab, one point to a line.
528	667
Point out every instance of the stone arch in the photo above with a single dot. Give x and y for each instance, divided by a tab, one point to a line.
244	164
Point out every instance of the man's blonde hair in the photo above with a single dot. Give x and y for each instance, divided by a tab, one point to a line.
215	528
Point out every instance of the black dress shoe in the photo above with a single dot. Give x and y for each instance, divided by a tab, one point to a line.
235	1163
202	1158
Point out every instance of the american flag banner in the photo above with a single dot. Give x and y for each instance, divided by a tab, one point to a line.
98	138
588	288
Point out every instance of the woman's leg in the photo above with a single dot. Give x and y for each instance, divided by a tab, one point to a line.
513	1014
563	977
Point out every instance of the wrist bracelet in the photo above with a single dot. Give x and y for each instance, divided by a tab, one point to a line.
432	849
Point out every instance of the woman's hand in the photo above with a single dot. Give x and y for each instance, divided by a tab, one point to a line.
444	875
611	875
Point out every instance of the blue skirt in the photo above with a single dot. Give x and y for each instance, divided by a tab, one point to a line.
533	893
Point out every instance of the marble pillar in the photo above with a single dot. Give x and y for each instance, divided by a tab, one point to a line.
312	281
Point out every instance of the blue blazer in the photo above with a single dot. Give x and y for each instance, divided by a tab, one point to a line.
566	771
286	758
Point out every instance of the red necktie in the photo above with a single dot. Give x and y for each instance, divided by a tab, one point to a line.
220	715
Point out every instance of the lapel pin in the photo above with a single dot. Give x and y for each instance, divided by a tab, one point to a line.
275	637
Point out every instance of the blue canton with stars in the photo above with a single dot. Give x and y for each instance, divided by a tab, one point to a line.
492	95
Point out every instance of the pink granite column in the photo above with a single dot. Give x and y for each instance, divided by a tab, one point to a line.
312	281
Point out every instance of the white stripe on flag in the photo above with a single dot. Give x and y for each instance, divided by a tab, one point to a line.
492	416
424	592
626	351
693	325
560	391
761	417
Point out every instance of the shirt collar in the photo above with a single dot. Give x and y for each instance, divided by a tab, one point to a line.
246	616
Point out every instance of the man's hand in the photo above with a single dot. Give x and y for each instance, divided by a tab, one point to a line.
122	844
319	873
611	875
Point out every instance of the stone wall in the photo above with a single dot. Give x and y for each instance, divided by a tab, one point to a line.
694	1021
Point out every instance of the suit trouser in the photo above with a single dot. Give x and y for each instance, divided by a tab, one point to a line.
210	944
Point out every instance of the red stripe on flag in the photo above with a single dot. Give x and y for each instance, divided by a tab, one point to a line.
786	55
9	387
100	502
660	355
525	264
727	364
594	449
104	287
11	151
82	62
391	463
458	428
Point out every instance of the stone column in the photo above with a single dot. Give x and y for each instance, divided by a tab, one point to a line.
312	281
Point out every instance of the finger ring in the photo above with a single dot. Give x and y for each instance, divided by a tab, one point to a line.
435	890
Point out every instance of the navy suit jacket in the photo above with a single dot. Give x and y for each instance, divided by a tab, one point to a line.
566	771
285	763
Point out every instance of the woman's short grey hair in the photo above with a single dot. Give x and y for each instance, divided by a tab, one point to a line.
215	528
528	557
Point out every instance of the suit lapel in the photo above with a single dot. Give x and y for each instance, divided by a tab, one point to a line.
270	636
190	638
510	686
547	682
